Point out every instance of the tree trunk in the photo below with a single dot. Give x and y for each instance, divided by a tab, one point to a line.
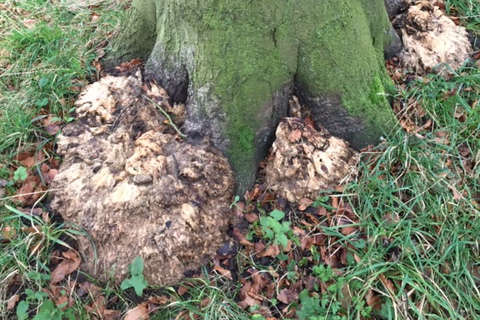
236	62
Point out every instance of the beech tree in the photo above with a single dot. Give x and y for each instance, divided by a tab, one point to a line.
235	63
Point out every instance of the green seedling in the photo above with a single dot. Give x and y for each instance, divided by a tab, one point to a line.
136	280
274	229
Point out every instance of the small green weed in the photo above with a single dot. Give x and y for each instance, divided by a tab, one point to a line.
20	174
136	280
275	230
47	310
314	307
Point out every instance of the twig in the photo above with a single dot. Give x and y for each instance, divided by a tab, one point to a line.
170	121
28	194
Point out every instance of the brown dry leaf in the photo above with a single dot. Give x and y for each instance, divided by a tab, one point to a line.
238	209
28	162
51	174
51	124
55	293
309	122
241	238
21	156
98	68
68	265
253	194
205	302
357	258
140	312
182	290
30	191
287	296
322	211
343	221
90	289
111	314
224	272
304	204
312	218
97	307
183	315
374	300
309	241
387	284
246	300
267	198
259	246
335	202
129	65
159	300
8	233
442	137
251	217
259	282
12	301
456	194
271	251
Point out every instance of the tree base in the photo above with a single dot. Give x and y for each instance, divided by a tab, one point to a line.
235	65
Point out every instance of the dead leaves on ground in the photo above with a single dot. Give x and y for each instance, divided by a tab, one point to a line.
41	169
287	277
70	263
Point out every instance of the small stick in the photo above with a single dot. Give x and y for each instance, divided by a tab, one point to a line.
171	123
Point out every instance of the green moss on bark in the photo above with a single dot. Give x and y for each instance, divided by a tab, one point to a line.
241	57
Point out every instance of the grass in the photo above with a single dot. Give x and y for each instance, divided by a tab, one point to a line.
47	56
416	201
467	10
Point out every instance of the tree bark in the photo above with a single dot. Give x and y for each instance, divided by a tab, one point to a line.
236	62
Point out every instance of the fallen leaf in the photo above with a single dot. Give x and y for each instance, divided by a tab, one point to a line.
251	217
387	284
67	266
259	282
51	124
51	175
30	191
89	288
160	300
374	300
287	296
140	312
205	302
304	204
182	290
224	272
241	238
129	65
245	299
28	162
57	294
12	301
270	251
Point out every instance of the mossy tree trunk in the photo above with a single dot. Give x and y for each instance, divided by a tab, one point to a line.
236	62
